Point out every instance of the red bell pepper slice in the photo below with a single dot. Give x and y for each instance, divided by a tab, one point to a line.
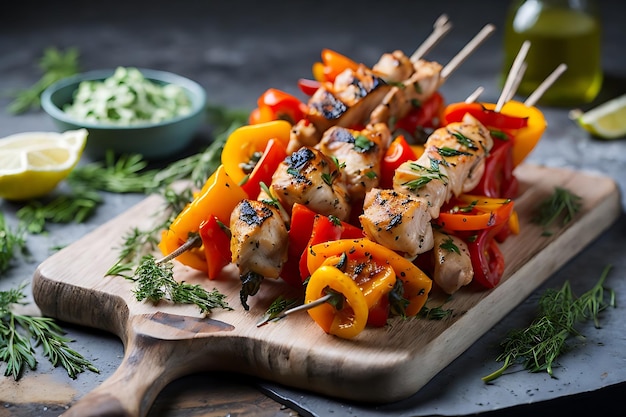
216	242
326	229
273	155
399	151
498	180
300	231
490	118
308	87
379	312
426	116
275	104
487	259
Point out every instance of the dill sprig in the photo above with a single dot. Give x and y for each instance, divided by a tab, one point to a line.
562	205
538	346
11	242
155	282
55	66
16	349
75	207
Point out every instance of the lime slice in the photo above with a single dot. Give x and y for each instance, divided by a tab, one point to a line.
33	163
607	121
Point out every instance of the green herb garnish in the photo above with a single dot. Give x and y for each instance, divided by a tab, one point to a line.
16	349
69	208
539	345
562	204
11	242
55	66
363	144
155	282
425	175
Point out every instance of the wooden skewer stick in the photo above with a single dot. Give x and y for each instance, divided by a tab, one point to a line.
510	79
517	81
474	96
192	242
536	95
301	307
441	27
467	50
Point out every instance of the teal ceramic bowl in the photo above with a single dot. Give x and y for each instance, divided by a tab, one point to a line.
158	140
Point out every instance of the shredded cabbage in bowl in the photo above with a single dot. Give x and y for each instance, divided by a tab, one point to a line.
127	98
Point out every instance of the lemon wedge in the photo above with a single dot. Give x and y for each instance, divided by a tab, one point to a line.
607	121
33	163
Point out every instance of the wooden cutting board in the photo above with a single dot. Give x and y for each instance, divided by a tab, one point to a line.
164	342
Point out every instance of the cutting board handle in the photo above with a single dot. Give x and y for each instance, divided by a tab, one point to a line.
130	391
159	348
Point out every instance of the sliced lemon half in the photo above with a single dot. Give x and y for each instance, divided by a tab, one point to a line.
33	163
606	121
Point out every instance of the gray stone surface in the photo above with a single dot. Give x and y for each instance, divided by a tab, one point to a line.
236	50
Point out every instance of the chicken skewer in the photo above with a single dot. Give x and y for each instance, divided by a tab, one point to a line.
426	78
354	94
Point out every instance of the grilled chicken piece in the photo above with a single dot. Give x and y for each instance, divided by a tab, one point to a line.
452	262
397	221
258	238
419	87
361	151
303	133
348	101
464	146
452	163
426	181
257	244
313	179
394	67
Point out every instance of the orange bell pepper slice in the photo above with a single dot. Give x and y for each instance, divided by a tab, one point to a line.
474	212
245	141
417	284
218	197
333	63
347	321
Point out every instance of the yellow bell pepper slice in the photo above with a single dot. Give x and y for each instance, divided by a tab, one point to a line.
417	284
374	287
244	141
527	137
346	322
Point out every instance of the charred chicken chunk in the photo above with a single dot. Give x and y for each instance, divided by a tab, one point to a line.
313	179
397	221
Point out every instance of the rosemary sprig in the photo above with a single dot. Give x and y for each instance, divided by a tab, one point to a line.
562	204
538	346
76	207
11	242
55	65
16	349
155	282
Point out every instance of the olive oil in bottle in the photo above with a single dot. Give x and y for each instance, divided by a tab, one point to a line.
560	31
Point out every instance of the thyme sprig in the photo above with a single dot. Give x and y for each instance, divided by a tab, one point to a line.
16	349
539	345
155	282
562	205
